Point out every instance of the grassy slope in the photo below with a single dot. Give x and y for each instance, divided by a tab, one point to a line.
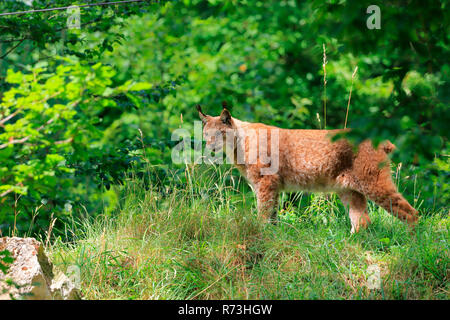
204	241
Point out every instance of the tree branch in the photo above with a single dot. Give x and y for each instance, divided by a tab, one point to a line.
25	139
12	115
64	141
13	48
5	193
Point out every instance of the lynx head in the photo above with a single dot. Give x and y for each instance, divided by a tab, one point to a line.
216	129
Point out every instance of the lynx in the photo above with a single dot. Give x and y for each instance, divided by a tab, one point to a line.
308	160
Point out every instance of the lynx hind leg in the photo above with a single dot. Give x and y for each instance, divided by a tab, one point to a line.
383	192
371	176
381	189
394	203
357	204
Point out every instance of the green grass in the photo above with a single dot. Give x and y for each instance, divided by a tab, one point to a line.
204	241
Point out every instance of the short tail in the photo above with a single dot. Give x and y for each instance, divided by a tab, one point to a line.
388	147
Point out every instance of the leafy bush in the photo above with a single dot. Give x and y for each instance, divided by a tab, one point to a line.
51	137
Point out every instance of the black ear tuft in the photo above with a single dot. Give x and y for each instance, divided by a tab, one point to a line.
225	105
202	116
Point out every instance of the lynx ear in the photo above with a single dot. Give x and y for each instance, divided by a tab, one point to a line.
202	116
225	116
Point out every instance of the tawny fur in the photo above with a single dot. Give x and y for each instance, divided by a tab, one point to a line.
310	161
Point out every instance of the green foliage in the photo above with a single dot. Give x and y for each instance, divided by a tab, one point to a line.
51	135
48	31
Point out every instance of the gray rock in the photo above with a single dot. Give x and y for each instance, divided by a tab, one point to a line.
32	274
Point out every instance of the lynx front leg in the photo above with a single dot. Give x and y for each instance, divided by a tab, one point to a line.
267	202
267	198
357	209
